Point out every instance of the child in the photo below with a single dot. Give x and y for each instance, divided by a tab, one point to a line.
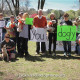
24	36
10	47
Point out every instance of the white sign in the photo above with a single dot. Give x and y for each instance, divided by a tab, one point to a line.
38	34
0	35
2	23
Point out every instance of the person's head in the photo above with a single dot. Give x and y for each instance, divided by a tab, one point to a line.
12	18
20	14
1	16
7	37
52	16
66	16
40	12
25	15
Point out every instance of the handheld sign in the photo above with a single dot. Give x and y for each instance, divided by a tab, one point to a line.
29	21
66	33
2	23
38	34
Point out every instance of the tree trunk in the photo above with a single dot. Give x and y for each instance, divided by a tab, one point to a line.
9	7
38	4
42	3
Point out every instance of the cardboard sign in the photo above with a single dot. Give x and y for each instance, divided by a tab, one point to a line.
66	33
29	21
38	35
2	23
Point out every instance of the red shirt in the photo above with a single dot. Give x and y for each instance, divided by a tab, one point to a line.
40	23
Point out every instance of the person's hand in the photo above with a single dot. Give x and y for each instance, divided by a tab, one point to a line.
50	30
31	27
8	49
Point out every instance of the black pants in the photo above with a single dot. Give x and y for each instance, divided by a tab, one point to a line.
18	41
76	47
43	48
24	46
52	38
67	46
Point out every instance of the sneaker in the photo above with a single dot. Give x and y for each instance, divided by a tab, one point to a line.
69	54
65	54
36	53
53	54
50	52
43	53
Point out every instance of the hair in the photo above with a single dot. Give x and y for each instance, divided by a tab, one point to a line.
11	16
51	15
25	15
66	15
7	34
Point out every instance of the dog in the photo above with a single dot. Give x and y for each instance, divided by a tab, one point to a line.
4	53
20	26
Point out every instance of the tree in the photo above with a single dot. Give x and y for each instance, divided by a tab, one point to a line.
14	5
41	4
71	14
77	13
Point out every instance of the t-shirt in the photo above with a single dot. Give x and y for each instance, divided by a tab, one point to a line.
12	31
66	22
9	45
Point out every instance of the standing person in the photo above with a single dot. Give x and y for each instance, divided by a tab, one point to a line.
40	22
18	39
77	23
2	27
52	33
24	36
66	44
11	28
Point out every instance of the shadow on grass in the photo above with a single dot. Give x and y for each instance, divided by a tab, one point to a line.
60	56
34	58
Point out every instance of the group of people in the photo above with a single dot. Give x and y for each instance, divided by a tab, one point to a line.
17	33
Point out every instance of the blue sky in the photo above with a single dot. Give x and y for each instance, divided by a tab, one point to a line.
57	4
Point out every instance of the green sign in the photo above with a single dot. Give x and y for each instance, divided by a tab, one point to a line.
66	33
29	21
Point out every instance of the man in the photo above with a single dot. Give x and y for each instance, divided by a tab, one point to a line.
2	26
10	46
66	44
40	22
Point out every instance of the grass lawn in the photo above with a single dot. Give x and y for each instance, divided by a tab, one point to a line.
38	67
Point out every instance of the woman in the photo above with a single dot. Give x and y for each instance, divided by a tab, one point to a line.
52	33
11	28
24	36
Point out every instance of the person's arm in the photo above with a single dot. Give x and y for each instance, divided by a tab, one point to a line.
13	46
8	26
11	49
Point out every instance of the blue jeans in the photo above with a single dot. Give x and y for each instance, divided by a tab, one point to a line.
3	35
67	46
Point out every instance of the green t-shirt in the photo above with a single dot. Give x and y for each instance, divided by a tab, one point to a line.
78	29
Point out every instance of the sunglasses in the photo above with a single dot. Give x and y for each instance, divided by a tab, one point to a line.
65	16
7	37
